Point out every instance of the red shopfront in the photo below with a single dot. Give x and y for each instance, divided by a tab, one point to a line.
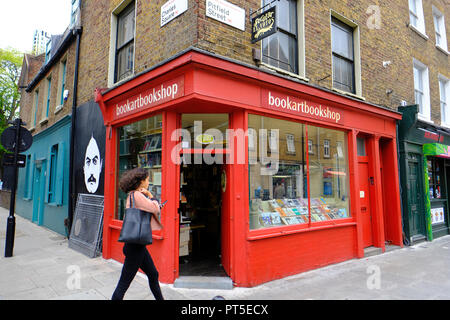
305	178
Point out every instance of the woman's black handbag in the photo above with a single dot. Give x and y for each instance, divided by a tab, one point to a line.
136	227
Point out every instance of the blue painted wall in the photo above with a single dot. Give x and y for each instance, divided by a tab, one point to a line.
52	212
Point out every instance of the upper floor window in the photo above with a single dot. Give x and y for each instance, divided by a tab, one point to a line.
439	29
125	43
280	50
36	106
49	91
48	49
444	98
422	90
63	80
74	11
416	18
342	48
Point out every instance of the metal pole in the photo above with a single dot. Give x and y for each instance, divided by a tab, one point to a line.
11	222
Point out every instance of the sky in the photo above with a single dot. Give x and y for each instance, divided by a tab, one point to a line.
19	19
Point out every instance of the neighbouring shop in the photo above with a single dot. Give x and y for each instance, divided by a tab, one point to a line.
264	176
425	176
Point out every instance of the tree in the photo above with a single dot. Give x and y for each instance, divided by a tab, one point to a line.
10	68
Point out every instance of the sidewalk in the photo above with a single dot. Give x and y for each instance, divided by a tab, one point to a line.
43	267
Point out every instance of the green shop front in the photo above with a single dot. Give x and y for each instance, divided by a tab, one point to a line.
424	156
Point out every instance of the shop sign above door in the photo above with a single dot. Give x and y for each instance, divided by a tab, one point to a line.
172	9
282	102
226	12
164	92
264	25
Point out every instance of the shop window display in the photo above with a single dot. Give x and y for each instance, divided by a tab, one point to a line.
140	145
279	197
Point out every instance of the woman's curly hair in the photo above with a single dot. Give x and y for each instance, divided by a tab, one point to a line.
131	179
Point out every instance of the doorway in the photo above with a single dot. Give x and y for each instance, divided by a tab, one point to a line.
200	212
39	192
364	191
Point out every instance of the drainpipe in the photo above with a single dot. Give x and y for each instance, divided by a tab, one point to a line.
71	206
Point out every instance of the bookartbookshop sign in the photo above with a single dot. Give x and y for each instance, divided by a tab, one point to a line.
155	96
172	9
226	12
264	25
282	102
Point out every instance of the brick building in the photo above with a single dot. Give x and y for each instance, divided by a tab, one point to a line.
351	58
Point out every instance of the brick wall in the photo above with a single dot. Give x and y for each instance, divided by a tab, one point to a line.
28	98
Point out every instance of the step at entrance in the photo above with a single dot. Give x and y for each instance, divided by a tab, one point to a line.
372	251
193	282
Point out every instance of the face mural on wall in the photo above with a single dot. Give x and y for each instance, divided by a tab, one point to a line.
89	150
92	166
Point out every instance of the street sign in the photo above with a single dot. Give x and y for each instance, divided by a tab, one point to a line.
8	160
8	139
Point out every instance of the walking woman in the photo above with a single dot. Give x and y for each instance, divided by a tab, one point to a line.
136	182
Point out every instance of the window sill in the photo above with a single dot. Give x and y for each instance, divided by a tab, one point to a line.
445	125
58	109
424	119
420	33
442	50
284	72
43	121
260	234
353	95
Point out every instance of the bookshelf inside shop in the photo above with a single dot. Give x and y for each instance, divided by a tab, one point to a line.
141	146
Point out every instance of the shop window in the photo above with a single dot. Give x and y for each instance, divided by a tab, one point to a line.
280	50
422	90
278	183
140	145
124	45
434	167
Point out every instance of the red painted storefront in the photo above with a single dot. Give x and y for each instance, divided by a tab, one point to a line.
202	83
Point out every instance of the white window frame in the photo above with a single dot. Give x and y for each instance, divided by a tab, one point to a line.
444	100
113	42
326	148
300	45
418	14
290	143
356	55
425	113
439	29
310	146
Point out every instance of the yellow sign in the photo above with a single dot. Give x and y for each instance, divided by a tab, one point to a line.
205	138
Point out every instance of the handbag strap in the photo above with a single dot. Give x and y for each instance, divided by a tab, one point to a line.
132	202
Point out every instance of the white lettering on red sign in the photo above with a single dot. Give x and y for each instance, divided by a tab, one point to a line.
302	108
162	93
